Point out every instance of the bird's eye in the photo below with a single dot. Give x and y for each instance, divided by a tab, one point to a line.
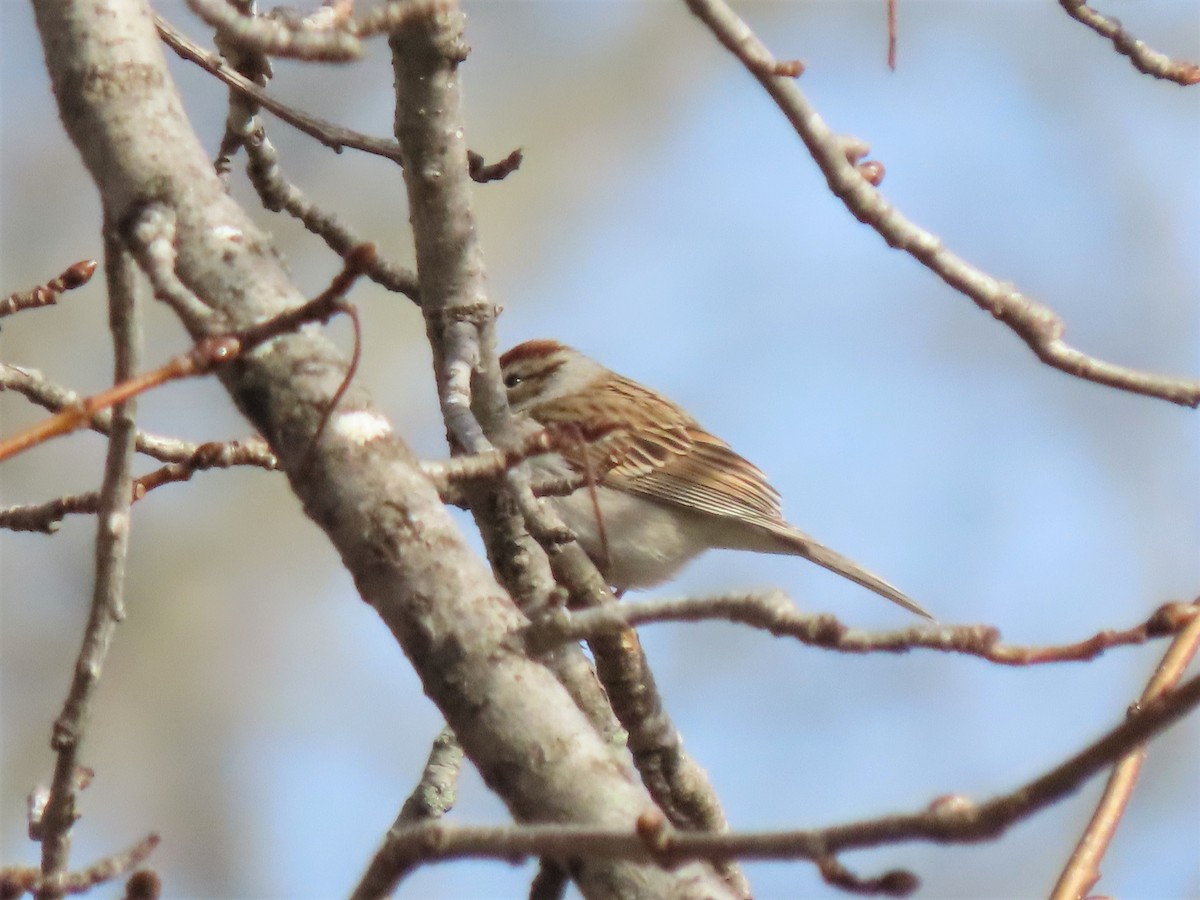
512	379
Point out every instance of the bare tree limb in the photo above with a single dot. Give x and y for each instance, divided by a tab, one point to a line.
277	194
272	35
431	799
203	358
948	820
774	613
459	316
1082	870
1145	59
45	517
328	133
1036	324
334	136
108	601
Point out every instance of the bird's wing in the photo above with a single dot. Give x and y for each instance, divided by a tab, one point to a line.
647	445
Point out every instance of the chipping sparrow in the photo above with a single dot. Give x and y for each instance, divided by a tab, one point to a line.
665	489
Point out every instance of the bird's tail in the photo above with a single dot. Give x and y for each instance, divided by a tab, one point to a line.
828	559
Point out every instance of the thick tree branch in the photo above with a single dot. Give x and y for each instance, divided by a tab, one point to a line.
363	487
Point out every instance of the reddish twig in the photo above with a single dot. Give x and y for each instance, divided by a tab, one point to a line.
351	371
776	614
47	294
1145	59
482	172
330	134
1083	869
203	358
45	393
891	28
45	517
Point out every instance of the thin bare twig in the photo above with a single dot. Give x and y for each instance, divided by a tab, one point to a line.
891	30
200	360
279	194
895	883
33	385
330	134
314	40
108	602
432	798
774	613
45	517
18	880
1082	870
1036	324
152	238
1145	59
47	294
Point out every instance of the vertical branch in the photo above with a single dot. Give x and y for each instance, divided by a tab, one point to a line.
112	544
460	318
1082	870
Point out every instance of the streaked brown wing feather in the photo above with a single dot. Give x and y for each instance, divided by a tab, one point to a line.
713	478
657	450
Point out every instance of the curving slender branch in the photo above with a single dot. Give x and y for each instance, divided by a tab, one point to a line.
279	194
1037	325
330	134
45	517
774	613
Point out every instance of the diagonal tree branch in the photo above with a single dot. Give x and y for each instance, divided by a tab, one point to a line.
361	484
1145	59
1082	870
1036	324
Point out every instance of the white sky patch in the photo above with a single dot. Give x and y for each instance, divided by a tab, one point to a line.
361	426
